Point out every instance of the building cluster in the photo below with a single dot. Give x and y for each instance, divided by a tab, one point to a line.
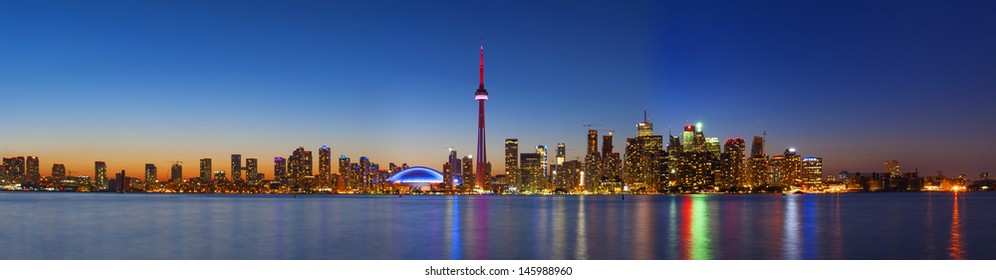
690	162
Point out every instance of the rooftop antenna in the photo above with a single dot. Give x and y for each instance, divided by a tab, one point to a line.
645	119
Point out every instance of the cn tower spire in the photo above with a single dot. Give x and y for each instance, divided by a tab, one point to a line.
482	64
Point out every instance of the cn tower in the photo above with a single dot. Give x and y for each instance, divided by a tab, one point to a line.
481	95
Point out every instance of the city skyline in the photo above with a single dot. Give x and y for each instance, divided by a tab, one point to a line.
82	88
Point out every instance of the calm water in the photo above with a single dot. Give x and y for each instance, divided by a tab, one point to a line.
846	226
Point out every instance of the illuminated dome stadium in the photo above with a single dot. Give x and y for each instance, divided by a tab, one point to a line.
417	175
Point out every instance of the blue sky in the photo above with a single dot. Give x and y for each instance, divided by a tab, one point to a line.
856	82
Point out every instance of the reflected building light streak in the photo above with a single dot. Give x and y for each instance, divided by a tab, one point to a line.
643	241
581	248
956	250
790	237
559	248
672	233
453	227
701	240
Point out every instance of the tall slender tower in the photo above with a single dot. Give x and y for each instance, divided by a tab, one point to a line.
481	95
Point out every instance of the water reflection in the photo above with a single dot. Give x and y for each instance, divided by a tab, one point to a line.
846	226
955	251
581	247
696	242
453	227
790	236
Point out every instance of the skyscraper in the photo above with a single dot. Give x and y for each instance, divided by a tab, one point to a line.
468	172
544	160
236	167
33	174
732	166
561	153
280	170
758	167
592	141
325	165
607	144
512	162
481	95
100	174
644	168
205	170
687	137
150	173
344	172
591	177
788	169
252	172
757	147
176	173
456	176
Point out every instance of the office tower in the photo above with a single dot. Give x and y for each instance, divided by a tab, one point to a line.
512	162
561	153
532	172
150	173
236	167
219	176
280	170
644	169
544	160
58	172
468	172
356	176
176	173
644	128
33	175
812	172
325	165
787	168
481	95
344	172
687	137
100	174
732	165
252	172
205	170
892	168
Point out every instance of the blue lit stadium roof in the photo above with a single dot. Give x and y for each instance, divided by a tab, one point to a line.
417	174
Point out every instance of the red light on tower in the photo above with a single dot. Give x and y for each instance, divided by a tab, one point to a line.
689	127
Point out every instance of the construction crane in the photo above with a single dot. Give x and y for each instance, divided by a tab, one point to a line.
589	125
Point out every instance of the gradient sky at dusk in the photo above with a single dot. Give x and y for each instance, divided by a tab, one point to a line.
855	82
